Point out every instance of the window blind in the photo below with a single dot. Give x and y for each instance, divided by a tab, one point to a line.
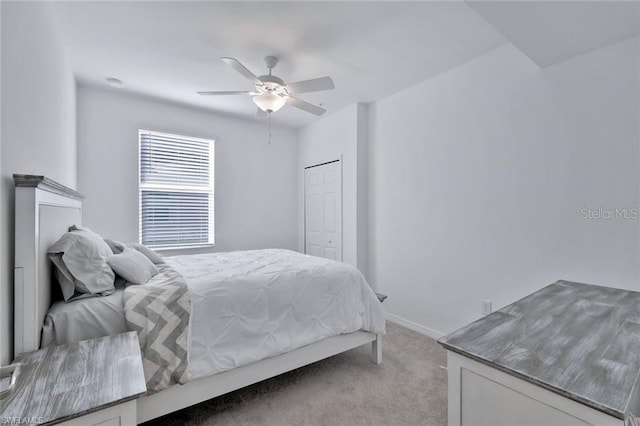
176	190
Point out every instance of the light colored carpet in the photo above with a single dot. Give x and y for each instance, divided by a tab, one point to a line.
408	388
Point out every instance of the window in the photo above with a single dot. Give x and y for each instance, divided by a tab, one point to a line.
176	190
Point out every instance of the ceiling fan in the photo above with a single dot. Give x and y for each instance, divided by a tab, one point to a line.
271	93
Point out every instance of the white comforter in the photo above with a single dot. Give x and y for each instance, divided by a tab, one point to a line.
251	305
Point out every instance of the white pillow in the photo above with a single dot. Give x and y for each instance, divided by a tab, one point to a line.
80	258
133	266
153	256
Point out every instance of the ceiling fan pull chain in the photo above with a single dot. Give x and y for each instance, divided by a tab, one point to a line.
269	129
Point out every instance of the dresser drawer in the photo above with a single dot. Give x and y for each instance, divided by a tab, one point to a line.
118	415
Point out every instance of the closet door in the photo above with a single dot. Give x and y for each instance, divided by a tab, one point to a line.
323	210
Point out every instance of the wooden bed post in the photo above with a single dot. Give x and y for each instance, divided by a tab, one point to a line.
376	345
376	350
44	210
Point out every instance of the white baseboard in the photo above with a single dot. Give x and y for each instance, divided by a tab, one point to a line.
414	326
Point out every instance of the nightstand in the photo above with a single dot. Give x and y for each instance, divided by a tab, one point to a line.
92	382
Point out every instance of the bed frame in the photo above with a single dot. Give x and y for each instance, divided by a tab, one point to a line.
44	211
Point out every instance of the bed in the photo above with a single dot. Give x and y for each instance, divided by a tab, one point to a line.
45	210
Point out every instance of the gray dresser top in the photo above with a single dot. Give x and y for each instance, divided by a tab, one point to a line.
581	341
62	382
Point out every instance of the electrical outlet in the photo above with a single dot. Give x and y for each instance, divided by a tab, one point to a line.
485	306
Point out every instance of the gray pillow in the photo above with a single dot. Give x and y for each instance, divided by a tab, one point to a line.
80	258
64	277
133	266
117	247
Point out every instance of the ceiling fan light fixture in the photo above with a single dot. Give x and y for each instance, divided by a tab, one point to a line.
271	93
269	101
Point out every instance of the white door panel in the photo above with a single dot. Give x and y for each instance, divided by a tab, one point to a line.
323	210
329	213
314	205
330	253
314	250
329	177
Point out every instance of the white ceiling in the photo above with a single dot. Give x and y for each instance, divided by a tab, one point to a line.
171	49
549	32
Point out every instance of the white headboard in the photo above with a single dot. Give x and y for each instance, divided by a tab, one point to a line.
44	211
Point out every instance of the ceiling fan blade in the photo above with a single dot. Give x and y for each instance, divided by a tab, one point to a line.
305	106
260	113
314	85
236	65
227	92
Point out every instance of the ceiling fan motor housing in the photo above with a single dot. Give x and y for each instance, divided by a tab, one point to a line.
271	61
272	83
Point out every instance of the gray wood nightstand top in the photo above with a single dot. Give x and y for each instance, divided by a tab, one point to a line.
62	382
581	341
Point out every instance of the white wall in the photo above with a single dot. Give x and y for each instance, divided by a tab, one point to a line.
362	188
478	178
255	183
339	135
5	328
38	124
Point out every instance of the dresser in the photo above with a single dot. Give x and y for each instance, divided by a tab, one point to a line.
92	382
568	354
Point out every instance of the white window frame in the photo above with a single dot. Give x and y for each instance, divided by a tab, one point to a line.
181	188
